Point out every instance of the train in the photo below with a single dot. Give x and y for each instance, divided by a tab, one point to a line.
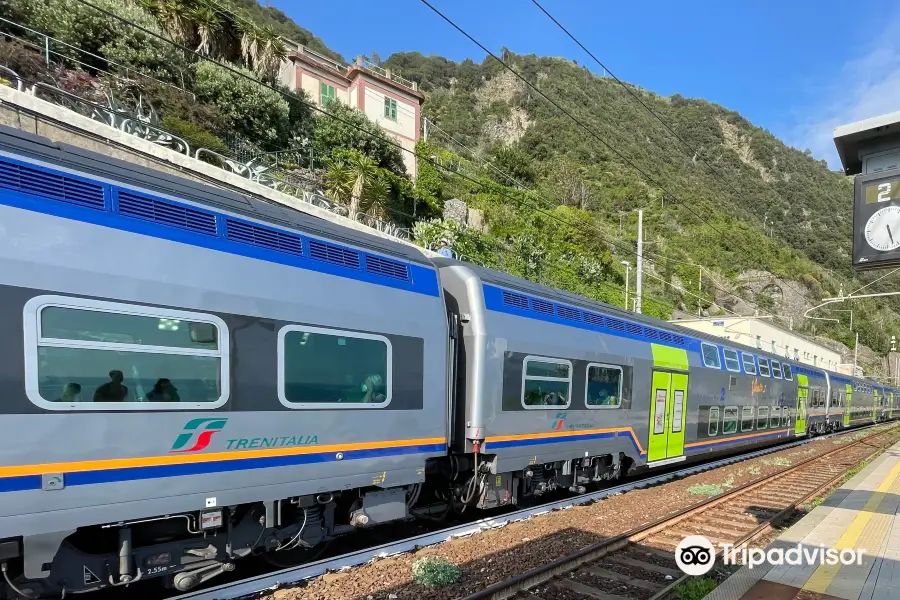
193	376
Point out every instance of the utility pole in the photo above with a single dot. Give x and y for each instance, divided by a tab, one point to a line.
424	129
640	262
627	272
855	353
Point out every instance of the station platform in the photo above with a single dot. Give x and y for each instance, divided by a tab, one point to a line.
862	514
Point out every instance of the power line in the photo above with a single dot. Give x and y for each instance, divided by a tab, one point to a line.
297	98
693	150
583	126
578	122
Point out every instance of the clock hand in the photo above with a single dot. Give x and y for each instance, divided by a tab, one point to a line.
889	233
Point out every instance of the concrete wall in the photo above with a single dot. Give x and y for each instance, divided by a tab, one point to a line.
759	333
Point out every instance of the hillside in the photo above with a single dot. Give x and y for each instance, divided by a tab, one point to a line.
707	207
766	225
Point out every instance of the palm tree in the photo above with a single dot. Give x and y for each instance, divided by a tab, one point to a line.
176	18
250	43
209	26
356	180
272	51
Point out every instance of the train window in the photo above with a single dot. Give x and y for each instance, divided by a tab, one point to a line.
546	383
713	421
762	417
749	363
731	360
747	418
333	368
787	372
786	416
604	386
763	366
711	356
776	369
730	423
775	419
94	355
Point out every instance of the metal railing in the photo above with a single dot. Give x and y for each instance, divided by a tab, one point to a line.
46	50
389	74
143	123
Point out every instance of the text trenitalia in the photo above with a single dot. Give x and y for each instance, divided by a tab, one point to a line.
800	555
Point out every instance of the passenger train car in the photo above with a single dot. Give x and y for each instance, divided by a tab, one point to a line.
191	376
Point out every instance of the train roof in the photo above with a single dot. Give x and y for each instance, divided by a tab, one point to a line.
512	282
122	172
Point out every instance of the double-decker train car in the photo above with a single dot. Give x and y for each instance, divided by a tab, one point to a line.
192	376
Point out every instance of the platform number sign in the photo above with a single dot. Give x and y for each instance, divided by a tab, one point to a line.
876	221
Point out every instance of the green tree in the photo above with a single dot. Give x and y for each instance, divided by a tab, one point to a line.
247	107
354	180
347	128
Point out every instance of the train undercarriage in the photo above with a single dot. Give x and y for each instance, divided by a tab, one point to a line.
186	550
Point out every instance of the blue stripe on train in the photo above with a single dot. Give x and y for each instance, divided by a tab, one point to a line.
423	280
33	482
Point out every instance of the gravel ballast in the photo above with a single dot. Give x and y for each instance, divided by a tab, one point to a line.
497	554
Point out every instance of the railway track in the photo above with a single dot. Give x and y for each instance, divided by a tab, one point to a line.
640	564
236	589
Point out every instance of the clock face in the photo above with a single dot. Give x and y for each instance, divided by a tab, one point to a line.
883	229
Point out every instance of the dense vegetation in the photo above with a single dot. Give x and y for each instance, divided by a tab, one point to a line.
723	193
559	194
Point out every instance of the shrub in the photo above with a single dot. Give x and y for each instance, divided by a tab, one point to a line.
695	588
250	108
434	571
350	129
196	136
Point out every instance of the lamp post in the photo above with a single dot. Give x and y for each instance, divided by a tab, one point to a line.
627	271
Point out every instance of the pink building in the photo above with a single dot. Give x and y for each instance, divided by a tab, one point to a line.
391	101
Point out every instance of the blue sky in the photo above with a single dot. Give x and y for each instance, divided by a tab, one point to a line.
795	67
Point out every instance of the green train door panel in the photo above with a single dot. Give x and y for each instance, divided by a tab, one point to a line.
847	403
668	413
802	395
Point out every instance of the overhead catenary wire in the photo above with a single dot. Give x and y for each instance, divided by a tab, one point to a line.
587	128
323	111
694	151
581	124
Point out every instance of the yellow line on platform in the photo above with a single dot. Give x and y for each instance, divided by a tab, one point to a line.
825	574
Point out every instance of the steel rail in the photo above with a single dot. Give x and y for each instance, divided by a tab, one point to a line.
565	564
294	575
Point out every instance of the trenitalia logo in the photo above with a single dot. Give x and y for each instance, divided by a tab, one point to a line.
560	420
203	429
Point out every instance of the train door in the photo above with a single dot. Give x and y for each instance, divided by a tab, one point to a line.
802	399
667	417
847	403
891	407
874	404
